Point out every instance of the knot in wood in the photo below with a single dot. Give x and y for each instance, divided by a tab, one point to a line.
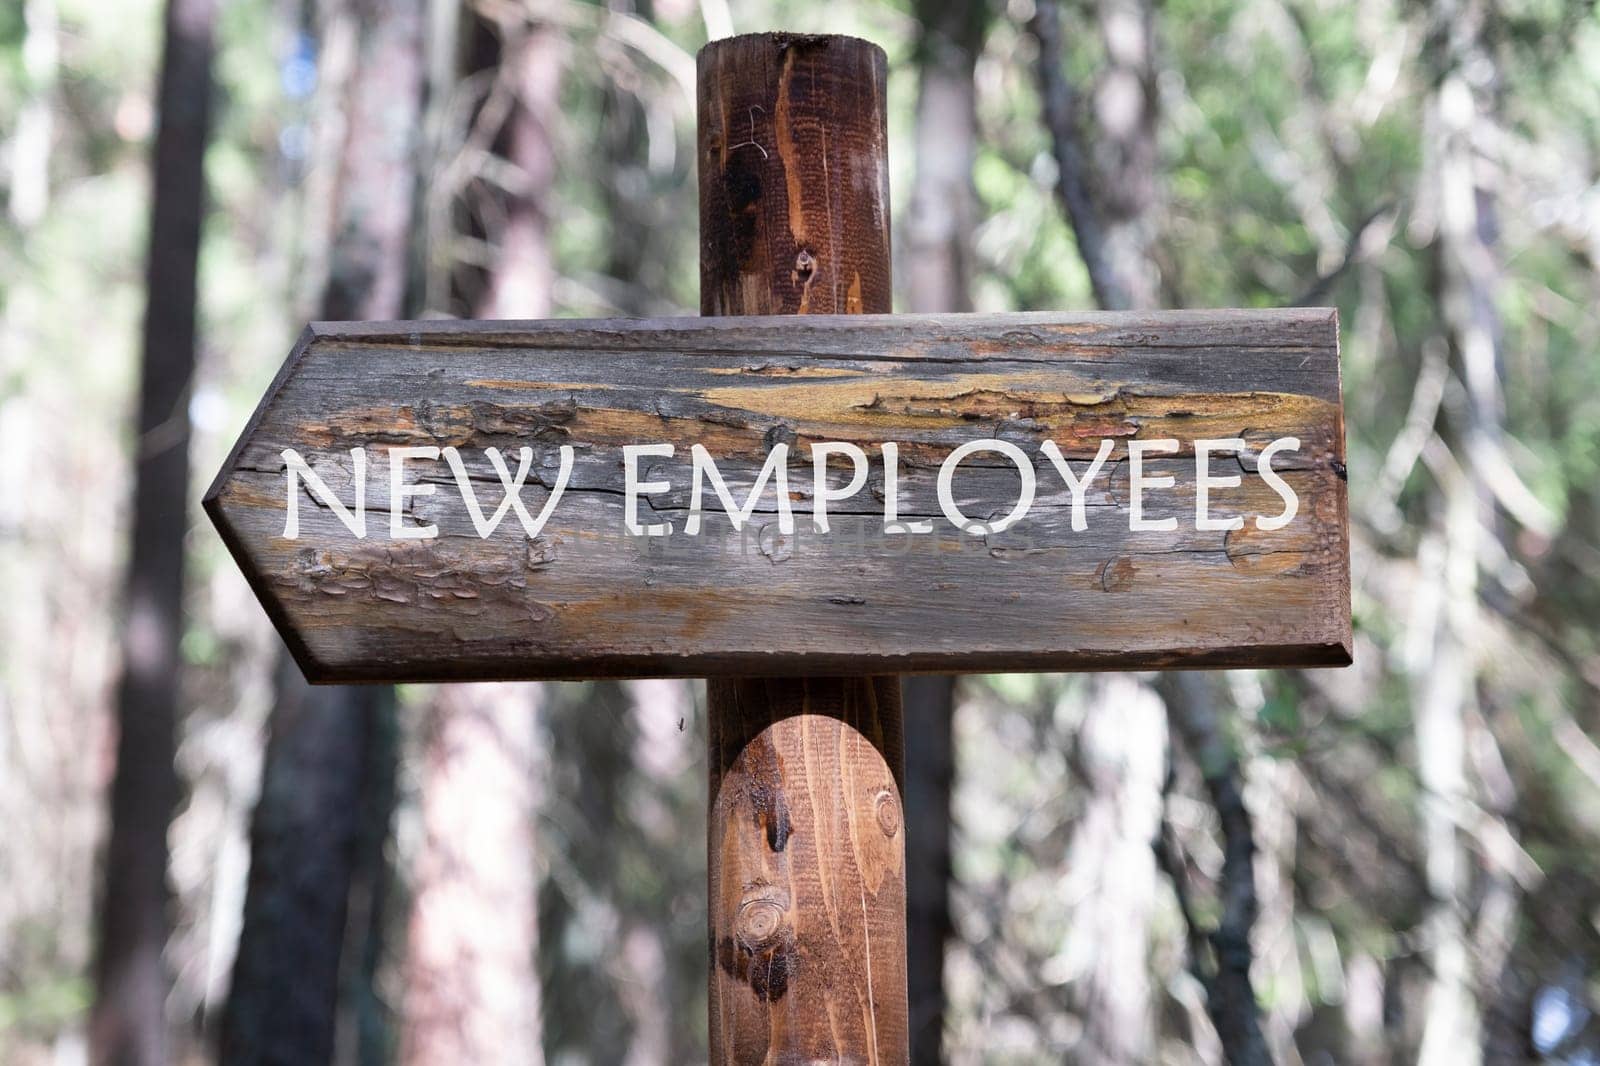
887	810
779	434
762	917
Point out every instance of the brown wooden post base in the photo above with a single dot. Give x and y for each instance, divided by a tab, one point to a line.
806	838
807	872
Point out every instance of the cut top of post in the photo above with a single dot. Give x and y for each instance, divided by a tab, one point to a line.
793	135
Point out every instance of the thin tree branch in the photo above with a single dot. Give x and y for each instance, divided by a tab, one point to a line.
1059	103
1354	251
1230	996
1170	859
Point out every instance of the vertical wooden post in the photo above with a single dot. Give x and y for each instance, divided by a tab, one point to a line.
806	840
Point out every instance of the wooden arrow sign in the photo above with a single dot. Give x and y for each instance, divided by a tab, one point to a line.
446	500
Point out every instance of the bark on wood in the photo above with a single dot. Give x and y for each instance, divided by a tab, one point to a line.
314	905
574	602
128	1021
806	849
794	182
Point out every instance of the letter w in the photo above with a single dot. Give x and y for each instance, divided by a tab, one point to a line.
513	487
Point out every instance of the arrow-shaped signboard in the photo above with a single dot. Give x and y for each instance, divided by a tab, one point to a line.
826	494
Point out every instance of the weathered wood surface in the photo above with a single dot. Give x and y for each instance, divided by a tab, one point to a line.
584	600
794	176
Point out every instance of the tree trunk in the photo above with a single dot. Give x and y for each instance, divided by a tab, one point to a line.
473	988
471	993
1195	712
807	860
636	258
1107	193
1442	660
591	737
127	1023
938	273
323	759
523	275
1127	163
937	266
930	773
313	904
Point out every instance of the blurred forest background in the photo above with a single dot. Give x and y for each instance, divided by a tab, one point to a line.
1393	863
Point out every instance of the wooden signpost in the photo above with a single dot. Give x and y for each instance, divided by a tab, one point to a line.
400	576
833	499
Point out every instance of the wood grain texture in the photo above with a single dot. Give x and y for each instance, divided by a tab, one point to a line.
805	841
806	867
794	176
583	600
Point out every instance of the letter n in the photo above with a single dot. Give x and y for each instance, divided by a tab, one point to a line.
296	469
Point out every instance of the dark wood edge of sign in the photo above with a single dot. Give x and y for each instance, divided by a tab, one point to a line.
1346	619
621	667
1234	324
